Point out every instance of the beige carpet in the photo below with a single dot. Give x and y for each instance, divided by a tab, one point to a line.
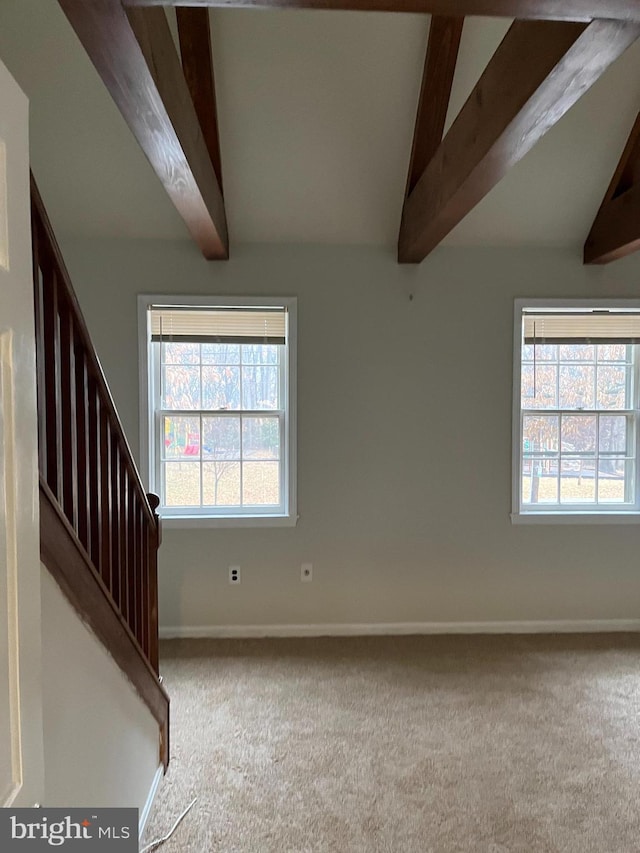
406	745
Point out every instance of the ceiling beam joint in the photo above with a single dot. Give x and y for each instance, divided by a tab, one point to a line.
540	69
616	229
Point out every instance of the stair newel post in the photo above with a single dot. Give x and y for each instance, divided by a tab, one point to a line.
154	543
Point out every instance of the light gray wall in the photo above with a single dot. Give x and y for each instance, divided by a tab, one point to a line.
101	743
404	442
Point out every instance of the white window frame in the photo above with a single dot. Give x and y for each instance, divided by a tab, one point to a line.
569	514
223	517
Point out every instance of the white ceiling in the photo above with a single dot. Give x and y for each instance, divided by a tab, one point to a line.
316	114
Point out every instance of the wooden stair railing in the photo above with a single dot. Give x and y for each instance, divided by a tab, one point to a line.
99	530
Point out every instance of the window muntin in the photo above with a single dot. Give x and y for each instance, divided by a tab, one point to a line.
220	434
578	420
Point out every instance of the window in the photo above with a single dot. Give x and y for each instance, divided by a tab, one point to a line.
576	410
219	408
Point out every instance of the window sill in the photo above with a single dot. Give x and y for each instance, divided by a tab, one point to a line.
182	522
575	517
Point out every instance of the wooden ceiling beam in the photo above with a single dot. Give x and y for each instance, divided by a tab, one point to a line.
194	34
616	229
437	79
558	10
617	233
540	69
135	56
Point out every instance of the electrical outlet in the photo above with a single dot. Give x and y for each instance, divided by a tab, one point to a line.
234	574
306	572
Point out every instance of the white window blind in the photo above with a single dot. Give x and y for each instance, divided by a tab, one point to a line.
219	325
593	327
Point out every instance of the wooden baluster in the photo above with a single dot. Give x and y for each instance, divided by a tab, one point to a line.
105	496
132	551
93	474
40	352
146	544
140	522
114	469
51	349
155	538
123	516
68	414
82	445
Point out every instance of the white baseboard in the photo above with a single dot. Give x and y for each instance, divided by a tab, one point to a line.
146	811
331	629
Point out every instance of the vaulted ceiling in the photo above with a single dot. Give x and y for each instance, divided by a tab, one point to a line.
316	113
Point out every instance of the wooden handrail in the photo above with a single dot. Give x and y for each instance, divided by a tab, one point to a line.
88	475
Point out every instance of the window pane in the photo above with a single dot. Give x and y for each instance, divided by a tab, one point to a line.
221	483
612	434
577	352
261	483
259	387
612	352
182	483
612	387
221	438
526	480
540	433
543	352
539	480
221	387
542	394
260	438
578	433
260	354
613	474
221	353
180	353
577	481
576	386
181	438
181	387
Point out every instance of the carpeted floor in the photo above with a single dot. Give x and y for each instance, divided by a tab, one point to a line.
404	745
